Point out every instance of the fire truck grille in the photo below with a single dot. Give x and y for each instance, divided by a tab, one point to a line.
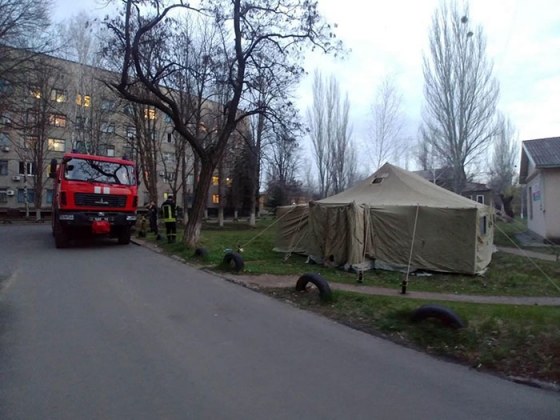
99	200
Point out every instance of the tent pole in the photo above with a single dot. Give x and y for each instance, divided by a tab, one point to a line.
405	282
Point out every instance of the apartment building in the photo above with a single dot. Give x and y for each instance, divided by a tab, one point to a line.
60	106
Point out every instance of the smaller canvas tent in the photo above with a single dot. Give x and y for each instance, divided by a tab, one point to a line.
393	218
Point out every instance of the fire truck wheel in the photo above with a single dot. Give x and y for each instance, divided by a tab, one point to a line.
124	236
322	285
60	237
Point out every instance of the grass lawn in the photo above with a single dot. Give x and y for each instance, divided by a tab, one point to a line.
519	341
508	275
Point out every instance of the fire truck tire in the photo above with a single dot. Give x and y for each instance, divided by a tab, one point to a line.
235	258
124	236
61	239
316	279
445	315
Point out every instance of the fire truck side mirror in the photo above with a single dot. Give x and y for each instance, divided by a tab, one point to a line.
52	168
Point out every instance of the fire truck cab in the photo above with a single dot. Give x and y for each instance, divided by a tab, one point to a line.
93	195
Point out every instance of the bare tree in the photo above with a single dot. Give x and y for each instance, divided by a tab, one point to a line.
460	91
38	105
387	123
342	156
284	162
330	134
23	24
503	170
141	34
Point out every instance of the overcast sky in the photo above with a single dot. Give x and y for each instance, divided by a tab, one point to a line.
388	37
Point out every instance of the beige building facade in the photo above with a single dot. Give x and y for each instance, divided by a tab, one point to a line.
540	172
67	107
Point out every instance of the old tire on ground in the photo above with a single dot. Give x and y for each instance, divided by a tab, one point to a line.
200	252
61	239
442	313
321	284
235	258
124	236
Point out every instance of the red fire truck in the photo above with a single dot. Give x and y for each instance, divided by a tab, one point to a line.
93	195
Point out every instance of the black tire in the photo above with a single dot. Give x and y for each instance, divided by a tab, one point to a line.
124	236
447	317
200	252
316	279
61	239
236	259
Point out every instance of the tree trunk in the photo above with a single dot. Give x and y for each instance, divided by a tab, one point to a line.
256	157
506	202
193	226
220	194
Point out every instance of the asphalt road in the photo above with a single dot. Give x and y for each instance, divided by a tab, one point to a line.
105	331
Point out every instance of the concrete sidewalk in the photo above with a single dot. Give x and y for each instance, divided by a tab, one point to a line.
531	254
272	281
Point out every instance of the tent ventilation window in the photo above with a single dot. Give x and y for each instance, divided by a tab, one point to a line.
379	178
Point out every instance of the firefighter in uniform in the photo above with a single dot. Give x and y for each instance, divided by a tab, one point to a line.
169	213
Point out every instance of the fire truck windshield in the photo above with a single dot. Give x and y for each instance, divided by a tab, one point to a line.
99	171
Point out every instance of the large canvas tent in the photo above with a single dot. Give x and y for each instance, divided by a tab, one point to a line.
393	219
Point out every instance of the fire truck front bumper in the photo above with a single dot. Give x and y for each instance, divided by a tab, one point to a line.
87	219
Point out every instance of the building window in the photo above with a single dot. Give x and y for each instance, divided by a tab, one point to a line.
3	195
483	225
216	198
21	195
110	151
169	137
5	86
80	123
215	180
57	145
80	146
480	199
131	132
129	153
83	100
36	93
28	168
49	196
168	157
58	120
29	142
107	127
190	179
149	114
107	104
58	95
167	119
6	118
5	140
169	176
229	181
128	109
3	167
